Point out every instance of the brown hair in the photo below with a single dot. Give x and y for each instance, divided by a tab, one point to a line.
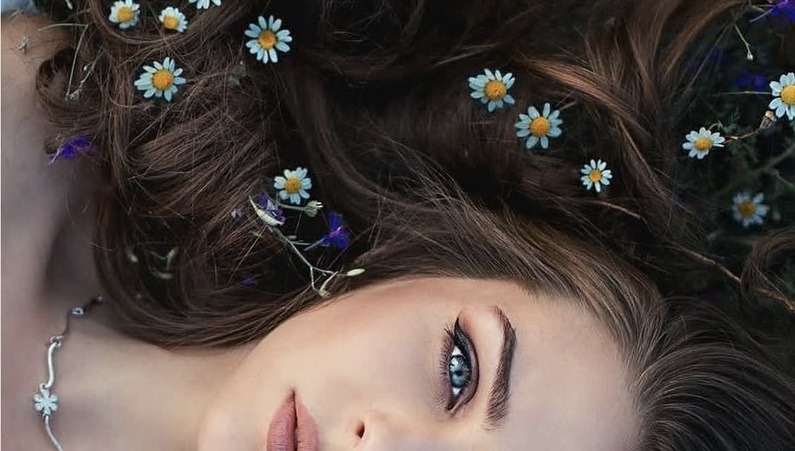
430	183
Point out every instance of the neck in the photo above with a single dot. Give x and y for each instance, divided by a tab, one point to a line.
115	392
151	397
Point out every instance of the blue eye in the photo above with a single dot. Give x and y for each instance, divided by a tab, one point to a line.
458	368
459	371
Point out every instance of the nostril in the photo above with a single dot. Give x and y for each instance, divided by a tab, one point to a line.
359	429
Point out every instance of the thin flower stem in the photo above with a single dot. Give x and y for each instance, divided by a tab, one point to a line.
765	13
786	303
749	55
299	254
74	63
778	177
740	93
755	173
730	139
290	207
619	208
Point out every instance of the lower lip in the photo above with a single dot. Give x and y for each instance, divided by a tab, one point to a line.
290	423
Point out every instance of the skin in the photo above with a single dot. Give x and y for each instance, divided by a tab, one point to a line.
367	368
366	365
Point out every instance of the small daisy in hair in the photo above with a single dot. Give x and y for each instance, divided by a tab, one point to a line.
125	13
267	39
749	210
160	79
491	88
699	143
294	185
539	127
784	90
204	4
595	175
173	19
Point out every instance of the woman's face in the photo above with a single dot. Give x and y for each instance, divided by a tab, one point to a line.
373	371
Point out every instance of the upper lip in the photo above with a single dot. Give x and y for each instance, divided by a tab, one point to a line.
292	428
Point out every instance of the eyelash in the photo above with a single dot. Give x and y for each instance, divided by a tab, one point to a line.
457	338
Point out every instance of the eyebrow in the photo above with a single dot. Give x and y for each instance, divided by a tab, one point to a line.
497	408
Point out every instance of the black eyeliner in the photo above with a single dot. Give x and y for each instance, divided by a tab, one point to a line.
457	338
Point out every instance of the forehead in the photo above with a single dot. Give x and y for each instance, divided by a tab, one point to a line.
568	382
569	388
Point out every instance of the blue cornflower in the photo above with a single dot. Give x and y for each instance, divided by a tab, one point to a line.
755	80
70	149
338	235
270	211
784	9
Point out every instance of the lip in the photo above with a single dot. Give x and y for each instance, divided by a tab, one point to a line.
292	428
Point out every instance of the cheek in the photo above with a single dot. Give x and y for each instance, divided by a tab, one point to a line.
357	346
358	357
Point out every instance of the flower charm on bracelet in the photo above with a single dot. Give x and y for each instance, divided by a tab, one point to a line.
173	19
125	13
595	175
160	79
699	143
748	210
294	186
491	88
539	127
267	39
784	91
204	4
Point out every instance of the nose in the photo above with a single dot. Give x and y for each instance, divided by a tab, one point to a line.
376	430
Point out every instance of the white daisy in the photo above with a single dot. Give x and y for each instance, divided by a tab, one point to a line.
595	175
748	210
784	90
125	13
173	19
492	88
160	79
539	127
294	185
699	143
204	4
267	39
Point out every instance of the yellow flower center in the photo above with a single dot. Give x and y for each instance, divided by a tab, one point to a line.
125	14
162	79
703	144
788	95
495	90
595	175
170	23
267	39
746	209
292	185
540	127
